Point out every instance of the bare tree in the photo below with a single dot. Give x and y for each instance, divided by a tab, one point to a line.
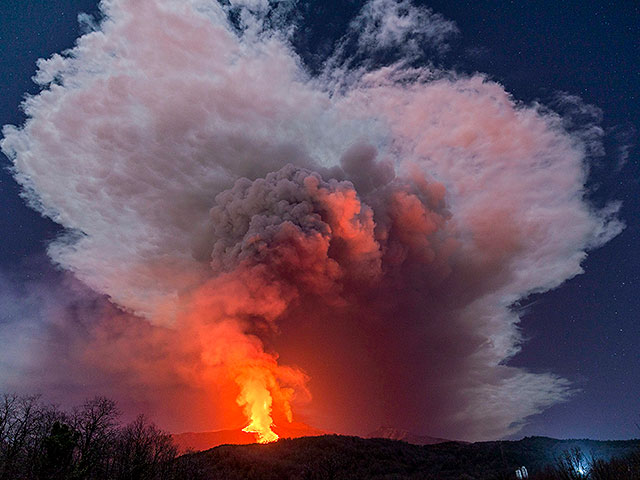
96	423
19	418
143	452
40	442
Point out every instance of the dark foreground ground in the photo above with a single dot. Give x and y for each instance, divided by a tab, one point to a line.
42	442
342	457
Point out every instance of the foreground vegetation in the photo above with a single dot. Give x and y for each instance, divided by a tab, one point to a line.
342	457
41	442
575	465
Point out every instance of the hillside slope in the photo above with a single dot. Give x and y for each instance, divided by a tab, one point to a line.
406	436
198	441
342	457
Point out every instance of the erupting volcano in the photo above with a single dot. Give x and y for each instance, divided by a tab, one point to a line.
261	242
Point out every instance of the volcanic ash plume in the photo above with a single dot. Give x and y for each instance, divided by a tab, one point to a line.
372	224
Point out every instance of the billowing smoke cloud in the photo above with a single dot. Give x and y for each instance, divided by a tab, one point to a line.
372	225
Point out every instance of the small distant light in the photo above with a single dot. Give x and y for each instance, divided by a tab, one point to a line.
581	469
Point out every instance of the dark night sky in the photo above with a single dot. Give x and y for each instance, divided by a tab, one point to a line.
588	329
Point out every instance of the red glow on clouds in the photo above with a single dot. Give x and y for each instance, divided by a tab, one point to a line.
341	250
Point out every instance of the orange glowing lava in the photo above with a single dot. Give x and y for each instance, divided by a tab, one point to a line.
260	390
256	401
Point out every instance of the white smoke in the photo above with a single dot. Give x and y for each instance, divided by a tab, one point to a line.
141	131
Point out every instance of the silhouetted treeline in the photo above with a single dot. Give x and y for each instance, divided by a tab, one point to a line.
39	441
575	465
